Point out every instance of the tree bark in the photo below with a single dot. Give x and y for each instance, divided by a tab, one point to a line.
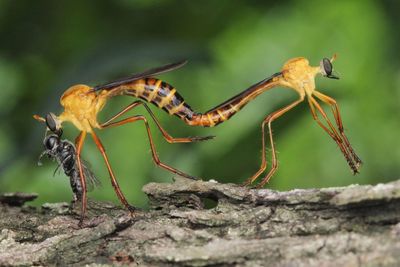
198	223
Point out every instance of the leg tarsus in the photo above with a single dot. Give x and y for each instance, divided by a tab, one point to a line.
274	165
340	138
201	138
268	120
336	113
263	166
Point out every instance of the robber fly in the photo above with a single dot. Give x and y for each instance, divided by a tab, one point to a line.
296	74
64	152
82	103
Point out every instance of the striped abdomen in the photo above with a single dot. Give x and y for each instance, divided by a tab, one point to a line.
231	106
215	116
166	97
160	93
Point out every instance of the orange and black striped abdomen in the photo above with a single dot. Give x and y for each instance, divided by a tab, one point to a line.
230	107
161	94
215	116
164	96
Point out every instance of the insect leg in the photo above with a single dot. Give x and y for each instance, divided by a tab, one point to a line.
332	132
268	120
153	149
335	110
263	159
79	143
114	181
167	137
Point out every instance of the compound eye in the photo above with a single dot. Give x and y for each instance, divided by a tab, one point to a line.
51	122
327	69
51	142
327	66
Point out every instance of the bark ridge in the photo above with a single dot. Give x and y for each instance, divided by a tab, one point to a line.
205	223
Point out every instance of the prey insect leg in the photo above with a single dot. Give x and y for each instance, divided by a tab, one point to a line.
165	134
153	149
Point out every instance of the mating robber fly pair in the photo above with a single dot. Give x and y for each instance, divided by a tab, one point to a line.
82	103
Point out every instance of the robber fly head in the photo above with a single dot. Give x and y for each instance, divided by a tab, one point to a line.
327	68
53	124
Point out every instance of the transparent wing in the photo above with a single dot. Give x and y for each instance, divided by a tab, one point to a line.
137	76
91	180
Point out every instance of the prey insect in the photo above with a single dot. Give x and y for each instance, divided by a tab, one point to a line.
82	104
64	152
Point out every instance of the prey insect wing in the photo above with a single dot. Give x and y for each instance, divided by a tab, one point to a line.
82	104
91	179
64	152
137	76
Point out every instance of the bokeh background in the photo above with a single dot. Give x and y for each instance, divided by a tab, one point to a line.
47	46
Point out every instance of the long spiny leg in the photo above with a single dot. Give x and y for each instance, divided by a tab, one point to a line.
263	158
153	149
79	144
332	132
268	121
330	124
167	136
114	181
335	110
316	118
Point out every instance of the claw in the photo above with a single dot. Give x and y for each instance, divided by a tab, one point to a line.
132	209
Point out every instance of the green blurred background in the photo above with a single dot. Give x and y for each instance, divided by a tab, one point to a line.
47	46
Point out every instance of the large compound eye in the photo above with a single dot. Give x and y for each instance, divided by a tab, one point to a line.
51	142
51	122
326	67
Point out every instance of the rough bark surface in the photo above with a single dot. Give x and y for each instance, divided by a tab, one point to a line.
197	223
